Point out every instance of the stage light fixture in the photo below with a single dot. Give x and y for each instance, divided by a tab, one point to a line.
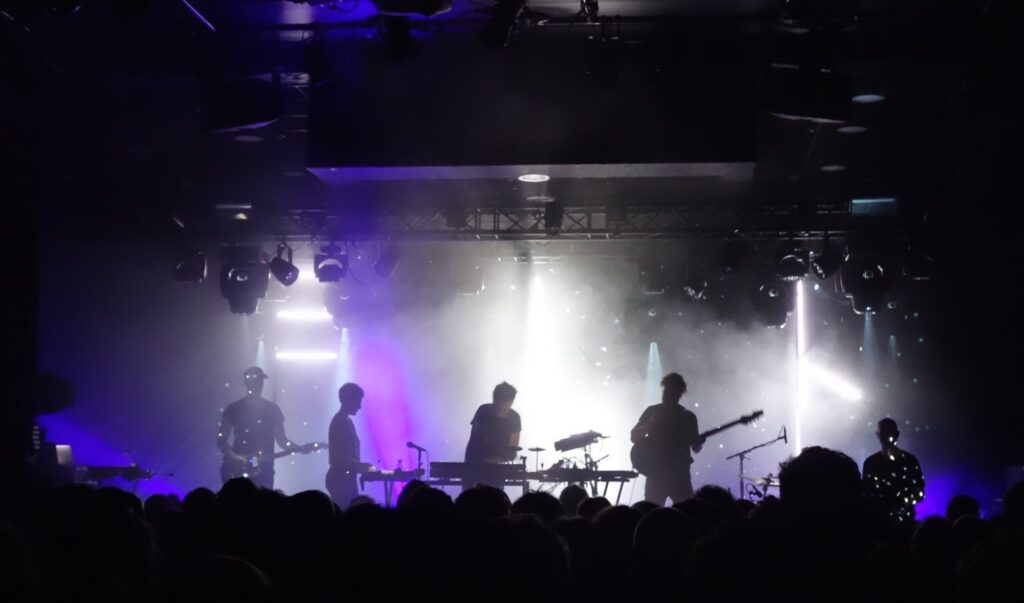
244	279
331	264
388	261
283	269
864	280
190	267
791	262
773	301
828	262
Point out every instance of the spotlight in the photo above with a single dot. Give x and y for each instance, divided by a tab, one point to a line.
773	301
791	262
553	215
243	278
864	281
388	261
330	265
831	258
283	269
190	267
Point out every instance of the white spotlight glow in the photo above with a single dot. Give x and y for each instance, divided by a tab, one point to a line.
534	178
833	382
868	99
307	355
801	366
307	315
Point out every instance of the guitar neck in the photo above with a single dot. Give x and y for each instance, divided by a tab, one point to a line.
297	450
720	428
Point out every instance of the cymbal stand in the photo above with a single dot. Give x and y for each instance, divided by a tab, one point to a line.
742	456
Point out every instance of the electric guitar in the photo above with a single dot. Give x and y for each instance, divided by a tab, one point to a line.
251	466
646	455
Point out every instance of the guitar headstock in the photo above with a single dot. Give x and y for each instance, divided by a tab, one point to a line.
748	419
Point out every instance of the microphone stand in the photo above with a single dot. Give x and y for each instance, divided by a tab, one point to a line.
742	456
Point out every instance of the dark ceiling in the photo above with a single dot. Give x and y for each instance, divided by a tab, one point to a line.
328	119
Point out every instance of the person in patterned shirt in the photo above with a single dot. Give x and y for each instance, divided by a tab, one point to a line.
893	475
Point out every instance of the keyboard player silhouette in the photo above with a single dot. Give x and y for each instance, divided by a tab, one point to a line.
493	439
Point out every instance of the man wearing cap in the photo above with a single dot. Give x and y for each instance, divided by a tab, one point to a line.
252	425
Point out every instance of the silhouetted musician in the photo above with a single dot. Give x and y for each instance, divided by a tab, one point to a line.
668	434
343	444
494	437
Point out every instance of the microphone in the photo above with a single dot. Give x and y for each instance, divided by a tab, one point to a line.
415	447
784	439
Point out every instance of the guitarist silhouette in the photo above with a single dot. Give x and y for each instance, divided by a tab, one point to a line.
249	428
663	438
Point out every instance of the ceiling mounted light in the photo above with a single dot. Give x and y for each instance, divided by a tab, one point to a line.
865	281
534	178
868	99
331	264
773	301
243	278
283	269
791	262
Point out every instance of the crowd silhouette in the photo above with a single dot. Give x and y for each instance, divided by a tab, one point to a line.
820	540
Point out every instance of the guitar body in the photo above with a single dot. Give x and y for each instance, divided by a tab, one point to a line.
252	466
231	468
646	457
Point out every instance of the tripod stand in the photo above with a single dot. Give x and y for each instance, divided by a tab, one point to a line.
742	456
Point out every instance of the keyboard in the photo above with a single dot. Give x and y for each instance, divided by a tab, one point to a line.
571	476
504	471
391	476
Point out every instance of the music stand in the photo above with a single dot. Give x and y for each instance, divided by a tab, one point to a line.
742	456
